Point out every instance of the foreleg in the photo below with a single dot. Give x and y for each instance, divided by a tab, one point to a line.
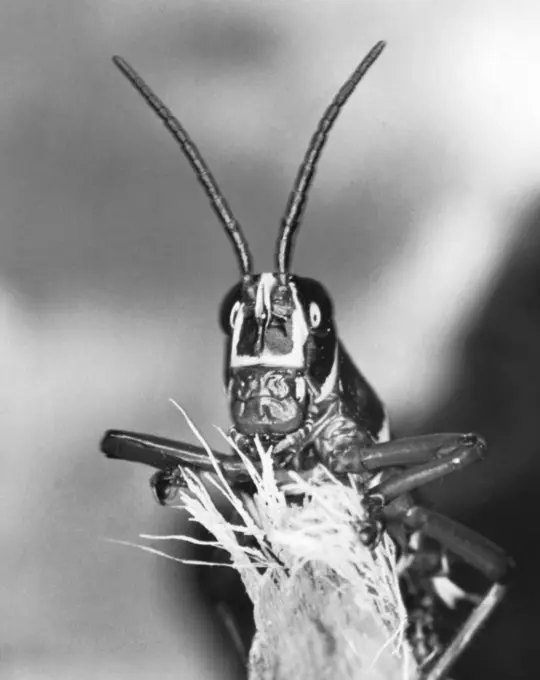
452	457
431	457
169	457
411	451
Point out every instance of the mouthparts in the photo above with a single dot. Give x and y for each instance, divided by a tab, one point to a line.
267	401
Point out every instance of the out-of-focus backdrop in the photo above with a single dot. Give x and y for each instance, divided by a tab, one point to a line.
422	223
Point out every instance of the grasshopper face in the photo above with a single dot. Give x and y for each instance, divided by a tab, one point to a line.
281	353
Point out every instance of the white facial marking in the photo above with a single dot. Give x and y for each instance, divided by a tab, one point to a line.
239	320
234	313
300	328
263	307
262	296
330	382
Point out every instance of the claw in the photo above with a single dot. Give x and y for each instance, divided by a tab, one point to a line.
473	440
371	533
165	485
373	503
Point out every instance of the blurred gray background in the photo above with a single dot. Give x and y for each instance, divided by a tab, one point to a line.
112	266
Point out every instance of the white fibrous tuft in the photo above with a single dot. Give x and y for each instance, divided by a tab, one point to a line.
325	606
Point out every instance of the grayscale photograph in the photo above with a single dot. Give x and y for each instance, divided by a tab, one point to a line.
270	338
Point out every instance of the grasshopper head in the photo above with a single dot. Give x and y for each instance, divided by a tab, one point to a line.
281	352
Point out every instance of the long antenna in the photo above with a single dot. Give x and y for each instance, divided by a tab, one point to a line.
173	125
304	178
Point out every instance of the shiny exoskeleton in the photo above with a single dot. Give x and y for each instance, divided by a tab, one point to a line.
291	384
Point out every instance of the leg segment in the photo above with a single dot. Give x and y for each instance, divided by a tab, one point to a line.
164	454
470	449
169	457
407	452
469	629
431	457
479	553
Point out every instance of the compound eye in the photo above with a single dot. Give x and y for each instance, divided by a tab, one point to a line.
234	313
315	316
